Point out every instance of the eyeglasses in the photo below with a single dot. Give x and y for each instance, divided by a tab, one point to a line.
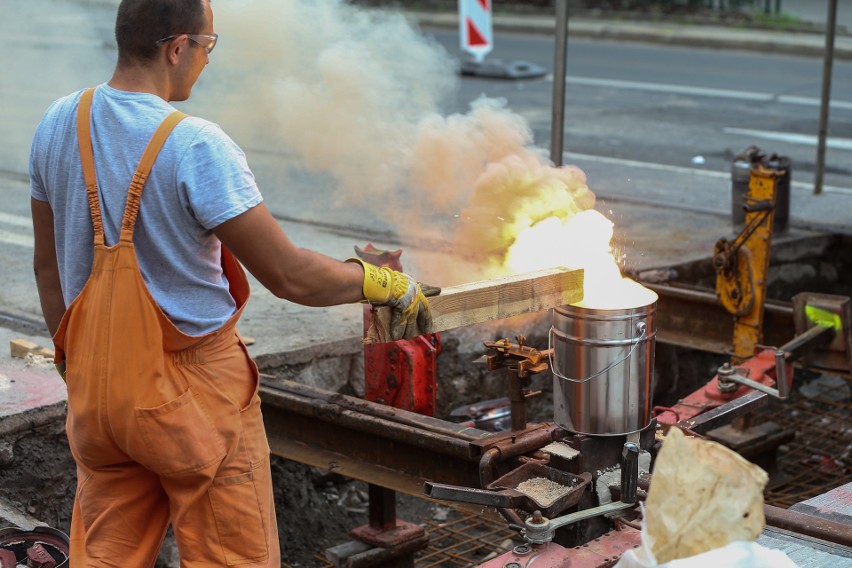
208	42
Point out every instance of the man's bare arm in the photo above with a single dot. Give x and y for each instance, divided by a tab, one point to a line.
45	265
296	274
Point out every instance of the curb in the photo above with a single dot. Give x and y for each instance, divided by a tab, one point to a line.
788	43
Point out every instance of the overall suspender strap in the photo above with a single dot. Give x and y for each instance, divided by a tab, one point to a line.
87	158
134	193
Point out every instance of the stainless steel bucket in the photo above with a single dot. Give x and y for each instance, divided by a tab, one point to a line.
602	363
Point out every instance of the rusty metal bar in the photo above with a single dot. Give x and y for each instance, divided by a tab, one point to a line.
382	507
724	414
809	525
315	427
690	317
809	340
379	411
517	399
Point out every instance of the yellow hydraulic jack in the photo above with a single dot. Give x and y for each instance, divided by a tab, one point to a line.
742	265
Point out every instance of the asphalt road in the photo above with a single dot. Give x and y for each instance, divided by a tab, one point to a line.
667	105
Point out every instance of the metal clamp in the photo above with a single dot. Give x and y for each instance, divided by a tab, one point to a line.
728	378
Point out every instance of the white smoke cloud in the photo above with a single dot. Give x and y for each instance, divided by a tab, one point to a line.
356	94
341	87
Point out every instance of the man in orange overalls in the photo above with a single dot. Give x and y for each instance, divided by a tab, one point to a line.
142	294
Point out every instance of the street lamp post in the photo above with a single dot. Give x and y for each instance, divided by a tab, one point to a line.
826	95
557	129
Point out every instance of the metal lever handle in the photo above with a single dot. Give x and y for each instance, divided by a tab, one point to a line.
629	473
781	381
728	374
800	345
469	495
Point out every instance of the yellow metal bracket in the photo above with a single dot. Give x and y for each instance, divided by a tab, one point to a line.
742	265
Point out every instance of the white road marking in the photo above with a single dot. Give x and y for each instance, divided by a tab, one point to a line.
680	170
646	165
16	239
19	238
813	101
806	139
702	91
674	89
16	220
55	40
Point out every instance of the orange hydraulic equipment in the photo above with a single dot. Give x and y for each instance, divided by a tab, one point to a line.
742	267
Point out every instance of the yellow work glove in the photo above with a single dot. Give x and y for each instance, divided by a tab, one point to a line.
410	309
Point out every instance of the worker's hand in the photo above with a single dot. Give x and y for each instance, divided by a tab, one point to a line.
410	309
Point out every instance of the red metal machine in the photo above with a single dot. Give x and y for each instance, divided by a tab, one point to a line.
401	374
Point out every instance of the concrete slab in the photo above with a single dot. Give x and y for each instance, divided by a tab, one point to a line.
25	388
11	516
31	392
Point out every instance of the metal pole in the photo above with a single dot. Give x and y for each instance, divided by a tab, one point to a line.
557	129
826	95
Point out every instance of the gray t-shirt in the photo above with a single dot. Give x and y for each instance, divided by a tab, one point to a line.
200	180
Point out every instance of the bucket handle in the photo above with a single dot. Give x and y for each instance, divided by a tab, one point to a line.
641	327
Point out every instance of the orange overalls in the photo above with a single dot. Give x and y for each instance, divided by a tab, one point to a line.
163	426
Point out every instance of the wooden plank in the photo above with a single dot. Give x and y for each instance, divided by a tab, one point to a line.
489	300
19	348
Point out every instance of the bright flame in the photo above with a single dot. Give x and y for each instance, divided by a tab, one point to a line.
579	241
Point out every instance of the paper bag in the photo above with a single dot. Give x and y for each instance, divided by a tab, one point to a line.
702	496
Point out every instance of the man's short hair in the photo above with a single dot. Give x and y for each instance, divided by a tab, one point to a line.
140	23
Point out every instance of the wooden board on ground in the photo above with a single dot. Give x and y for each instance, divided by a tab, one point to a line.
490	300
19	348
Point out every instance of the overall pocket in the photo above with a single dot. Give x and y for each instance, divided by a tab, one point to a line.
179	436
239	521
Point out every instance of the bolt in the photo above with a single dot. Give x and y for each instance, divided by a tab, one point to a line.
522	549
537	517
512	565
725	386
